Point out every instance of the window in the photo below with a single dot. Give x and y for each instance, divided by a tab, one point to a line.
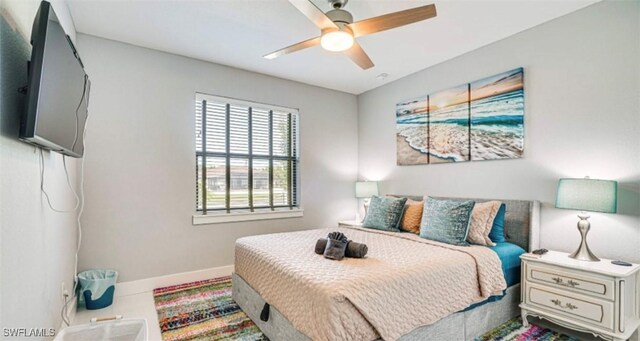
246	155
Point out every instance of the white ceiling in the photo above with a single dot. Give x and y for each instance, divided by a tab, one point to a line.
239	32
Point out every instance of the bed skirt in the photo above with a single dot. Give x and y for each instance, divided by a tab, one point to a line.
474	322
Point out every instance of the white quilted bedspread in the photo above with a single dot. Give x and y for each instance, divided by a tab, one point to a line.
403	283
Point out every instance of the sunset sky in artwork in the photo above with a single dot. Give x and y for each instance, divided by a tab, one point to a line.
449	97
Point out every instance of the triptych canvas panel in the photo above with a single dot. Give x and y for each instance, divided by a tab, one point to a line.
481	120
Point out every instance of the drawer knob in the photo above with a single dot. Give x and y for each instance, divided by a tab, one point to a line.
558	303
570	283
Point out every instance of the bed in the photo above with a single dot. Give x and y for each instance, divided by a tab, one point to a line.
459	293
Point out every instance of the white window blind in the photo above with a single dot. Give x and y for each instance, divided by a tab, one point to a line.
246	155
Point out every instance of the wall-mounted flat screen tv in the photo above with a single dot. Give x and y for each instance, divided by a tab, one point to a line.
57	90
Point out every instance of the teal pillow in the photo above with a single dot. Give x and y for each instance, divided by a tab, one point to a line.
384	213
497	230
446	221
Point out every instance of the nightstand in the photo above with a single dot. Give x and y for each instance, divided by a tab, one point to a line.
594	297
350	223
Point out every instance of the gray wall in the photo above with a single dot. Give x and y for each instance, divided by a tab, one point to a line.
37	244
582	117
140	158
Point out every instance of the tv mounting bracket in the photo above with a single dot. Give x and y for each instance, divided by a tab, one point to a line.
23	89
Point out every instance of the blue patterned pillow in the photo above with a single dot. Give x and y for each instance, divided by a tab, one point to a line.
446	221
384	213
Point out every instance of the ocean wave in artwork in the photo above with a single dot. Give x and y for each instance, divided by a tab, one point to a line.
497	143
416	136
449	142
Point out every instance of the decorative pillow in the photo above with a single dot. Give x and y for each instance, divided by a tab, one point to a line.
446	221
384	213
412	216
497	230
482	217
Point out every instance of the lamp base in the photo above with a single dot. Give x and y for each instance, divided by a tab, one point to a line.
583	252
366	208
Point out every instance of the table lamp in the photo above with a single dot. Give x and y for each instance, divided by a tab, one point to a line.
586	195
366	189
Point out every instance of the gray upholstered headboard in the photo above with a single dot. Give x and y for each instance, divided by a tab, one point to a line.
521	222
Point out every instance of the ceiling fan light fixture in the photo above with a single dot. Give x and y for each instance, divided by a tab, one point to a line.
336	41
339	30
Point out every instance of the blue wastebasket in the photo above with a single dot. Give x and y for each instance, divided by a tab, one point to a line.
97	288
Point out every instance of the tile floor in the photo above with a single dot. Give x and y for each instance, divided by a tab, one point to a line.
131	306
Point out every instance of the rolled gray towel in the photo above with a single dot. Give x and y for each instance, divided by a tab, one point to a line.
321	244
338	236
354	250
336	249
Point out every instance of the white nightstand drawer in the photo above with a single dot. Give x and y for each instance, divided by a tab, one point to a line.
586	296
574	306
580	282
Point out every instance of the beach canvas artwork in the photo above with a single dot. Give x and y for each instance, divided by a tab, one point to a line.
412	131
481	120
497	116
449	125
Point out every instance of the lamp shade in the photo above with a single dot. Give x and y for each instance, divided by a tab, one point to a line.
588	195
366	189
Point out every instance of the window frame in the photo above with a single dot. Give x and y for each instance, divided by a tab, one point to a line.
292	159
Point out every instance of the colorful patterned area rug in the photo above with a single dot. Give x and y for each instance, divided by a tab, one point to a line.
513	330
203	310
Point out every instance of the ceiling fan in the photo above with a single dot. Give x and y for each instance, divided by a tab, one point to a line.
339	31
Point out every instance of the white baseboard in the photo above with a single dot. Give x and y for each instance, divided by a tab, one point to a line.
148	284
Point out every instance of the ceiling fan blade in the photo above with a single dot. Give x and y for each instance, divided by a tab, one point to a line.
357	54
313	13
392	20
293	48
